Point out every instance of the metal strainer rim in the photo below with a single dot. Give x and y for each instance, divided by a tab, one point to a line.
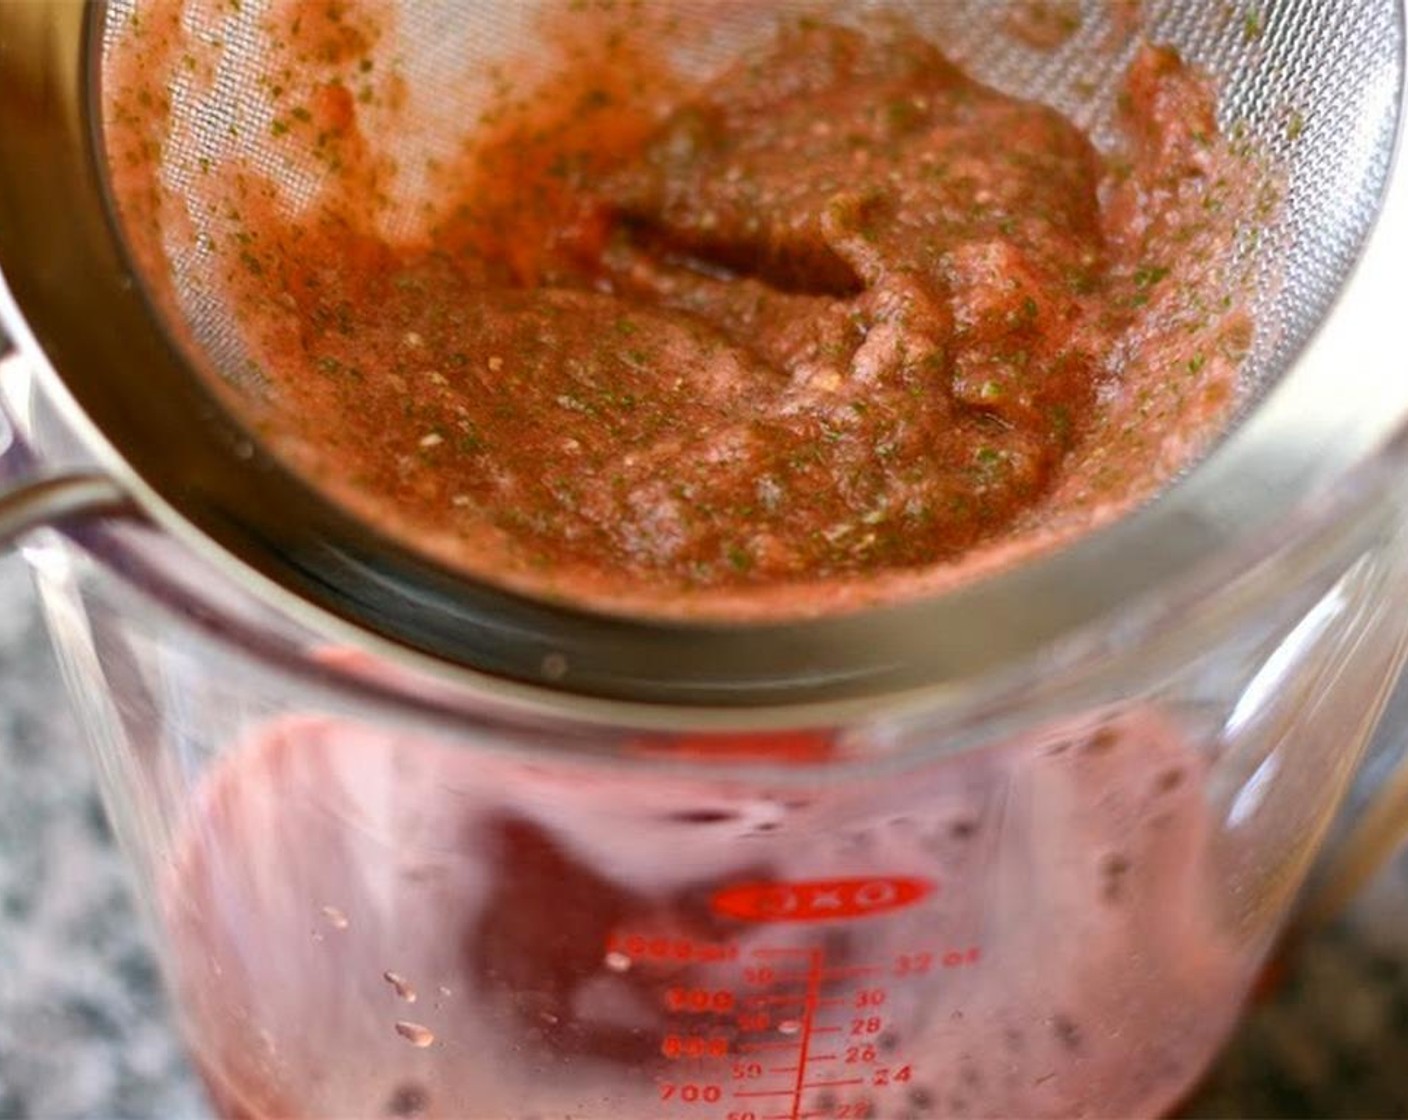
70	300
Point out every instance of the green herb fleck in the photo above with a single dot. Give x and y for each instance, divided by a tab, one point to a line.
1253	24
1149	275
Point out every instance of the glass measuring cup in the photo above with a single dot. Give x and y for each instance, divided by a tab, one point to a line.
374	896
1040	889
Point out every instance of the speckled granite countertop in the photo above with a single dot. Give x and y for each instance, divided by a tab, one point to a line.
84	1031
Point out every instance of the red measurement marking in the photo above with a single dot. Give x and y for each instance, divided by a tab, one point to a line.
648	946
819	900
763	1093
808	1023
834	1084
690	1092
677	1046
789	747
699	1000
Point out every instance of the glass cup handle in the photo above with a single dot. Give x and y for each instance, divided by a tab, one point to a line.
30	496
47	500
1375	838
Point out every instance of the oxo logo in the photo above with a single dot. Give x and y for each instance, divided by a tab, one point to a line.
816	900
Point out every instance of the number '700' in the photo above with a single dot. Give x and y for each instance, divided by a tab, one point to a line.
690	1092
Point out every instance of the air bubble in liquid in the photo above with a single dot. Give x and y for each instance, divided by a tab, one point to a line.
335	917
401	985
416	1034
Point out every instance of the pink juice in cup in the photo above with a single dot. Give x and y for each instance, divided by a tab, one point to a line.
366	923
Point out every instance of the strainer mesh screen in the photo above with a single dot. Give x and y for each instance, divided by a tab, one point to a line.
1313	84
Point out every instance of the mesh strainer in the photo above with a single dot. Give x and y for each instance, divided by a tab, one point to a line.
1315	86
